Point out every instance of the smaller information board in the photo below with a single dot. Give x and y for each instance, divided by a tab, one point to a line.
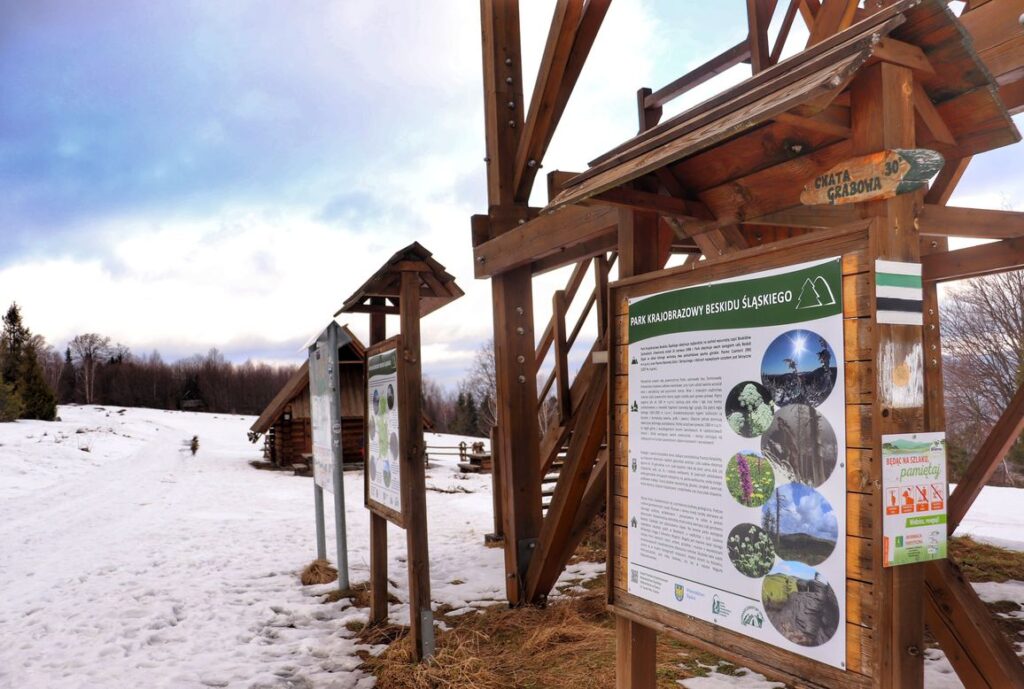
324	414
914	490
383	470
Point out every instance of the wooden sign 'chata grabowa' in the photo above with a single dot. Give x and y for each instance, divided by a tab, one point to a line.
873	177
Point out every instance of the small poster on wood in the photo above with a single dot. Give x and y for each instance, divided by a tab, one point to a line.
383	436
914	490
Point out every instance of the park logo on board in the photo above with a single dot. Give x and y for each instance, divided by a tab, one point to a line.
680	592
752	617
815	293
719	608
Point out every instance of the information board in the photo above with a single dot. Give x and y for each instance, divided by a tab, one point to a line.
737	436
914	490
383	470
323	414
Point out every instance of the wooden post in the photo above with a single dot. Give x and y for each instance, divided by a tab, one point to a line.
882	117
635	644
512	296
410	414
496	491
378	524
635	656
558	309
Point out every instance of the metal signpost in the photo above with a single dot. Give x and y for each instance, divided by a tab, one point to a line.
324	396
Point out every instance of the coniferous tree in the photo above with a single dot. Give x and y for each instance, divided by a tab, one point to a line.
68	380
35	394
12	346
10	403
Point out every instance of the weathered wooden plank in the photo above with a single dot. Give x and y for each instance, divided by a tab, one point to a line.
547	234
748	652
950	221
974	261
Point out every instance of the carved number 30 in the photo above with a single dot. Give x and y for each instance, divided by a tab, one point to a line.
891	167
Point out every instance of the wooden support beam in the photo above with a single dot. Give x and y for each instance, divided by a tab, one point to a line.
635	655
975	261
516	376
558	308
833	17
497	490
1004	434
930	117
503	84
601	267
882	117
905	54
571	287
730	58
815	124
945	183
574	27
967	632
759	16
542	118
546	235
648	201
981	223
378	524
784	29
600	244
421	616
553	548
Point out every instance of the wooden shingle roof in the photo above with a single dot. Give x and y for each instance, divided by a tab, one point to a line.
437	286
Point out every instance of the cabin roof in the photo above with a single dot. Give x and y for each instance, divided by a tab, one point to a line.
808	91
299	382
437	286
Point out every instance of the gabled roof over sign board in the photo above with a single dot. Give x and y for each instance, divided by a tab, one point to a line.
806	93
437	286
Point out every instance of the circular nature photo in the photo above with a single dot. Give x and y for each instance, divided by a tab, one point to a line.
799	367
749	478
801	524
387	473
372	429
376	400
393	446
391	397
751	550
801	443
749	409
800	603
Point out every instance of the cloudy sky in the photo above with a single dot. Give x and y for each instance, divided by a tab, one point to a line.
186	174
804	510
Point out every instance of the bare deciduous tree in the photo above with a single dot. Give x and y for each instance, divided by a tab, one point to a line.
481	382
89	350
983	339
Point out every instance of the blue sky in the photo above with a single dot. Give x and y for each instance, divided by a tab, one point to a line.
182	174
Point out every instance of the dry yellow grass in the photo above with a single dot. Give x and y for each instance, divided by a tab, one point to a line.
318	572
571	643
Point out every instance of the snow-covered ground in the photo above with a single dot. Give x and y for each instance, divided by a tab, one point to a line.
996	517
126	562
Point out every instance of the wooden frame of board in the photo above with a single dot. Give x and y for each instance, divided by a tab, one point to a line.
861	541
393	516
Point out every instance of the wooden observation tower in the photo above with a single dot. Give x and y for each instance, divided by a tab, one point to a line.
722	182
